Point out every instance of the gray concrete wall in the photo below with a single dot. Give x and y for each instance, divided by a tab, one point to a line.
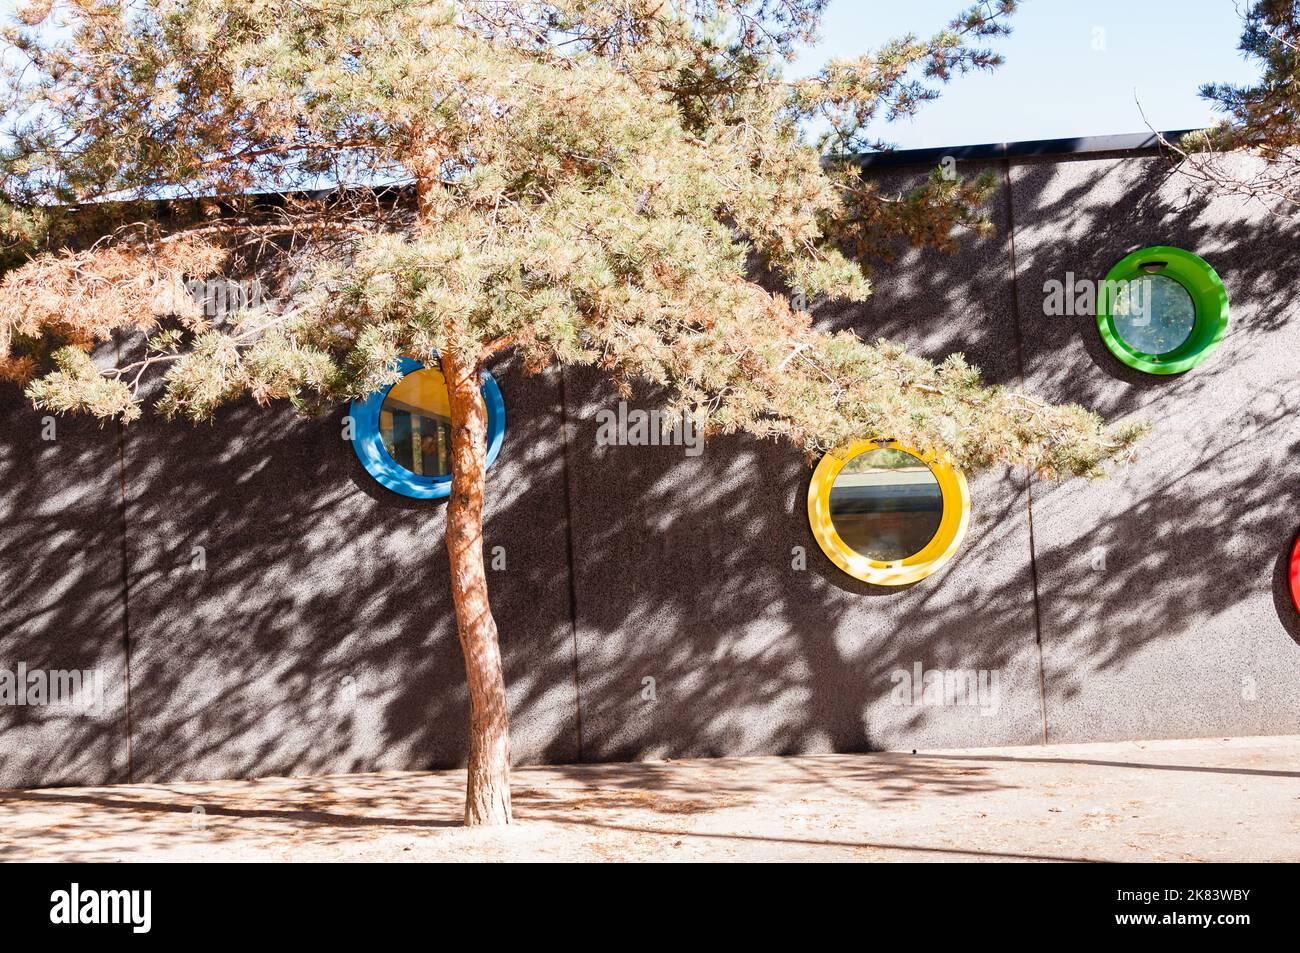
61	593
1188	630
650	604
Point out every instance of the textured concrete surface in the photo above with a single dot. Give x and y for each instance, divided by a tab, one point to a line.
61	606
1162	592
320	635
1154	801
313	630
750	655
686	570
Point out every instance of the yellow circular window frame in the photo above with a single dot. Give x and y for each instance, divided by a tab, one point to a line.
947	538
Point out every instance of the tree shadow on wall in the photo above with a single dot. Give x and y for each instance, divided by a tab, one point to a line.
1194	534
318	634
61	607
288	616
698	638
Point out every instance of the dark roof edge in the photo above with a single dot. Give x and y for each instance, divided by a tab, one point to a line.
1135	142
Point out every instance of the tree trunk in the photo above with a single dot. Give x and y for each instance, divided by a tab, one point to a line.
487	796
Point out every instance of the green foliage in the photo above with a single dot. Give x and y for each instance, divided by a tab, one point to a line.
1267	113
21	231
580	180
849	94
78	384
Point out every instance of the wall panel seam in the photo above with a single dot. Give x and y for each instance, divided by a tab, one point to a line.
1029	477
126	598
571	562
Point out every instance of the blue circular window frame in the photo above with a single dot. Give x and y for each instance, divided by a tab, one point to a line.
370	450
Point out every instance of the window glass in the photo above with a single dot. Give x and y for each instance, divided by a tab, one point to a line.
415	423
1154	314
886	504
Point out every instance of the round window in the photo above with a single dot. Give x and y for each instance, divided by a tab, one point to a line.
1295	574
886	504
887	514
402	434
1154	314
415	423
1162	310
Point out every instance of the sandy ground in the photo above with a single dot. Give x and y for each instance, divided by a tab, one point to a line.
1203	800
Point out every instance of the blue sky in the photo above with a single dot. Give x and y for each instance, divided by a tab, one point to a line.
1073	67
1054	83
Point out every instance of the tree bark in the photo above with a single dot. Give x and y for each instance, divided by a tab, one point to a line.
487	795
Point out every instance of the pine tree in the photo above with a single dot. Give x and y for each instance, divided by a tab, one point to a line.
579	181
1262	119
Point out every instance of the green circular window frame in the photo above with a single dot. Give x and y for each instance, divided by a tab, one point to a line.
1202	284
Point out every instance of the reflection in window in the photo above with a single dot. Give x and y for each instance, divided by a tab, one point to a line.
415	423
1154	314
886	504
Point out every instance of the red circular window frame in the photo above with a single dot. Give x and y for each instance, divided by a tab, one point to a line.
1295	574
